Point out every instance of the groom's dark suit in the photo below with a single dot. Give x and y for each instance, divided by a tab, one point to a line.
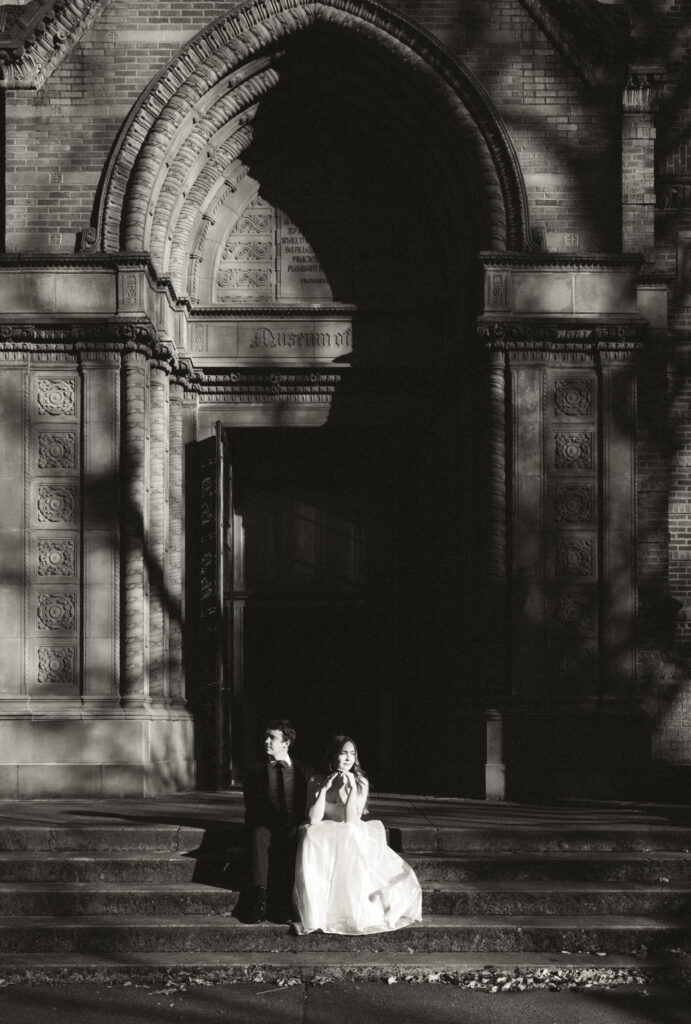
275	796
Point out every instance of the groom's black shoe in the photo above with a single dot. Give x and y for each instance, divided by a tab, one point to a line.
255	911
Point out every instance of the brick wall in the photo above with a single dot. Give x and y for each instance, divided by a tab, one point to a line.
60	137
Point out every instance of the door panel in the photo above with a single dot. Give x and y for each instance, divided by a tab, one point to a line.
209	477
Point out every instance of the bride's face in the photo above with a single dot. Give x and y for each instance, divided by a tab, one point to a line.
345	758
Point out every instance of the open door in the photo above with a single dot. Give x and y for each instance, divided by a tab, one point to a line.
209	474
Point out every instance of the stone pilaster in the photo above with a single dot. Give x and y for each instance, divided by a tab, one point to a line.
176	541
618	554
100	371
638	159
134	686
13	413
496	540
157	550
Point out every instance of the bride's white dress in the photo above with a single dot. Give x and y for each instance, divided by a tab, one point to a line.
349	881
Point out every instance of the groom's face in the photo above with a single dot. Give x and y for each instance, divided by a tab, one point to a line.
276	745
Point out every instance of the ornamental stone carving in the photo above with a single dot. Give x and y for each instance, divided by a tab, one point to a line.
56	611
56	450
573	396
55	666
573	450
573	504
575	613
56	397
259	277
56	558
574	558
56	504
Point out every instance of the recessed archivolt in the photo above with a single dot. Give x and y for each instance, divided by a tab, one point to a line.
195	121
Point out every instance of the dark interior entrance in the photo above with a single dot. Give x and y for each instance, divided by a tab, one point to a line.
337	577
314	596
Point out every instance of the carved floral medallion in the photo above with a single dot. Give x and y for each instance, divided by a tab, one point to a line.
55	666
573	396
56	504
573	450
56	450
56	397
574	558
56	558
56	611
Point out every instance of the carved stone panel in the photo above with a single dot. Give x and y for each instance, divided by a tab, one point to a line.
55	666
572	503
56	611
573	450
56	397
57	449
573	396
55	504
575	611
56	558
574	557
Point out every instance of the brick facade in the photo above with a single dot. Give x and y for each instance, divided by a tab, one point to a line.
558	131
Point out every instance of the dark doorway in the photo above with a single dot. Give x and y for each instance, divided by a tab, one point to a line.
314	591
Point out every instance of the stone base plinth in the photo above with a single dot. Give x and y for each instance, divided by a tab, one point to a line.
117	755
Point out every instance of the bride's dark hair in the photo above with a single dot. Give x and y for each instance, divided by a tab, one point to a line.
333	749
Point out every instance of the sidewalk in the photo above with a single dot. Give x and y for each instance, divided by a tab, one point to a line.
335	1003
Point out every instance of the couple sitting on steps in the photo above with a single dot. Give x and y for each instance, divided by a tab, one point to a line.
342	875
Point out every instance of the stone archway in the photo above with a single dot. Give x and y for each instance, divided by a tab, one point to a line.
213	159
181	145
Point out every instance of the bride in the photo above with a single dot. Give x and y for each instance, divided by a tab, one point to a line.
347	879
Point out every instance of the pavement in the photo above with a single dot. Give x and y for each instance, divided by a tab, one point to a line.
336	1003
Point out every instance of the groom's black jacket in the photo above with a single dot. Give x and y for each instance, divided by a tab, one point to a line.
259	809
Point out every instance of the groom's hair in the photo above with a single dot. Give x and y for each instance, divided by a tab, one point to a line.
284	726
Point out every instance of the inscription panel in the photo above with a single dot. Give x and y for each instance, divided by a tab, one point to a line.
258	342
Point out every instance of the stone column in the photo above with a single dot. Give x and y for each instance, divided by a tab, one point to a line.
157	553
134	686
496	540
638	159
176	531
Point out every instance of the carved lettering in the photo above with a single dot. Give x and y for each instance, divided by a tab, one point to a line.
268	338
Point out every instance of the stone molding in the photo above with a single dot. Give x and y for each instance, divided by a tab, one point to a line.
560	260
175	103
594	37
29	63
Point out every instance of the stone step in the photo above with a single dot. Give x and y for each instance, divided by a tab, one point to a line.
150	866
73	899
583	866
217	840
315	965
121	866
543	839
136	934
108	838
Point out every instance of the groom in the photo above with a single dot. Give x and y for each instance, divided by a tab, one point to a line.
275	793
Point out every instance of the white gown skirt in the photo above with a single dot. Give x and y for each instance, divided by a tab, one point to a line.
349	881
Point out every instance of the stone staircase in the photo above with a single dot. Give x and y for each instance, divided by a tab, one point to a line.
505	885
